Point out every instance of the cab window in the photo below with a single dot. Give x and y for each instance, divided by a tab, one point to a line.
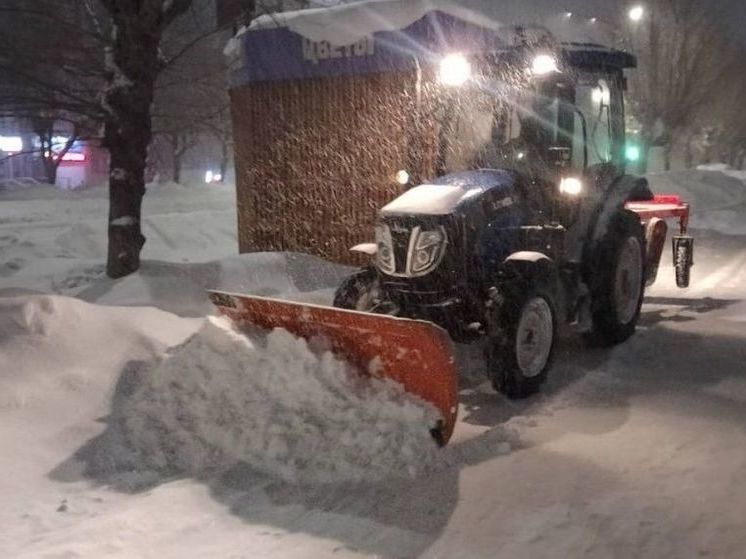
593	98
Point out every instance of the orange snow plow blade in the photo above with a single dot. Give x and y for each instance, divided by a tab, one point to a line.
415	353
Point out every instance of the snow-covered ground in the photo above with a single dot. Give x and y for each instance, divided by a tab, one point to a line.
635	451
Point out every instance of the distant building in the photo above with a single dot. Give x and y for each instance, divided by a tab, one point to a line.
21	162
18	160
85	164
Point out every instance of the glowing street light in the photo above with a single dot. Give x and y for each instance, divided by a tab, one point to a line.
11	144
636	13
544	64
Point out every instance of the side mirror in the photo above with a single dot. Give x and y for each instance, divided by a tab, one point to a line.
559	156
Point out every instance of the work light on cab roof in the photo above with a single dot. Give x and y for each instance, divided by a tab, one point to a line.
455	69
544	64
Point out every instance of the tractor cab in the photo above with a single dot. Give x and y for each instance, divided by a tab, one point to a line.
553	116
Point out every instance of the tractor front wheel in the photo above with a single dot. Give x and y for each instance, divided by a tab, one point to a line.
519	358
358	292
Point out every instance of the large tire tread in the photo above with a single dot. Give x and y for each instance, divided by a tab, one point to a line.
352	288
608	330
501	356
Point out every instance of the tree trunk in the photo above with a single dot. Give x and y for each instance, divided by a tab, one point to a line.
707	154
732	155
176	169
688	153
50	170
176	143
741	159
224	158
127	135
126	189
132	65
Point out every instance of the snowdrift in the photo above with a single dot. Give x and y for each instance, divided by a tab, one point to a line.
55	241
346	23
181	288
61	351
717	197
614	458
285	408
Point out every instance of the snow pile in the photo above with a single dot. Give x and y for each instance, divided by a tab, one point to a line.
346	24
53	346
277	404
725	169
718	200
55	241
181	288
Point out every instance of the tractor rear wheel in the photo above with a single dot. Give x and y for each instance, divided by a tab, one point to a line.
519	358
618	280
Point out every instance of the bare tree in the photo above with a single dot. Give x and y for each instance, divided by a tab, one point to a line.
44	126
51	73
133	63
191	93
680	48
726	118
98	62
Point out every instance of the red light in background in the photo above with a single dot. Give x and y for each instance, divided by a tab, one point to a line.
70	156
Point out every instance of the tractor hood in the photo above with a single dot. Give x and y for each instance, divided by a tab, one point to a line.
451	193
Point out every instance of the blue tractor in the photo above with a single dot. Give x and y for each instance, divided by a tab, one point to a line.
532	227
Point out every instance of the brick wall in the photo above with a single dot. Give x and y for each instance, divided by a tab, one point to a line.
315	159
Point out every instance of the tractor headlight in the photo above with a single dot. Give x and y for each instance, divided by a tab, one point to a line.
385	249
426	250
571	185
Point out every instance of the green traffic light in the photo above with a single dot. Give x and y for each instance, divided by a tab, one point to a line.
632	153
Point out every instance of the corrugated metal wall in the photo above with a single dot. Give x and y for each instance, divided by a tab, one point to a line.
315	159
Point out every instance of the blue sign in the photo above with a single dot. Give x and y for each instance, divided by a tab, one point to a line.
278	54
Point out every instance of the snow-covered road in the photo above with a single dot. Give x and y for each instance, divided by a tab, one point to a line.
635	451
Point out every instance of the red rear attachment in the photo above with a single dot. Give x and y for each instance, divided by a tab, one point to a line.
661	207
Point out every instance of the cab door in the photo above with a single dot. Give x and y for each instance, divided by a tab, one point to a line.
599	150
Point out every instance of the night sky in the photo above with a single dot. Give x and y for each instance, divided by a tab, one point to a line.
731	12
734	13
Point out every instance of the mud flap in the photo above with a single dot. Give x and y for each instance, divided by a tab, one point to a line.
415	353
655	235
683	258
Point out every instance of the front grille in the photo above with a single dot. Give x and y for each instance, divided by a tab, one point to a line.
400	240
446	274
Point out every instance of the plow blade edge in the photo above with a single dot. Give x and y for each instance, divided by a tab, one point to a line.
415	353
